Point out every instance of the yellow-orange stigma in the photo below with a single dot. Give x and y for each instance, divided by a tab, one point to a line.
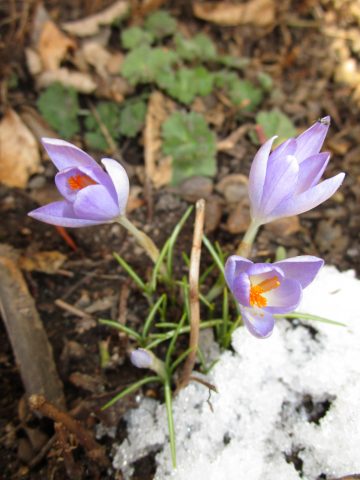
80	181
256	291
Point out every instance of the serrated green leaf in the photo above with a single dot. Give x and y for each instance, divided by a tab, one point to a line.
135	37
276	122
145	64
265	81
109	113
161	24
132	118
245	94
59	106
186	83
199	47
239	63
191	144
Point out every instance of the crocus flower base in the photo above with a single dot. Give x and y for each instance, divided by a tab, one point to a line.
260	420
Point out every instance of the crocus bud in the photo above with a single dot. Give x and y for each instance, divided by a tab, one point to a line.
142	358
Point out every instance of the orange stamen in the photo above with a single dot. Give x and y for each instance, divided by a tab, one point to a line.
256	291
80	181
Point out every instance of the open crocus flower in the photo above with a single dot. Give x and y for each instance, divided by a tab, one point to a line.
91	196
286	181
264	289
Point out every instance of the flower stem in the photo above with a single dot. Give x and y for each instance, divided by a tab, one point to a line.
168	403
244	249
143	239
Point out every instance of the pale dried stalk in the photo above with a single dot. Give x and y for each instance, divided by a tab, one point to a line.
194	294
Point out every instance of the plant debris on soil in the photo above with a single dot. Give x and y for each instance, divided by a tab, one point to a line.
182	93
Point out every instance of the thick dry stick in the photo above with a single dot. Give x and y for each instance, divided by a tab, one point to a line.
84	437
33	352
194	293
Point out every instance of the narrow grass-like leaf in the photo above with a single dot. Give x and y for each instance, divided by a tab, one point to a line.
122	328
169	413
308	316
132	273
171	347
130	389
206	273
151	316
214	254
180	359
225	310
158	265
173	237
166	325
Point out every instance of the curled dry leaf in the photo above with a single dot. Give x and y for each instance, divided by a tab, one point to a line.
97	56
53	46
91	25
46	262
159	170
82	82
19	153
257	12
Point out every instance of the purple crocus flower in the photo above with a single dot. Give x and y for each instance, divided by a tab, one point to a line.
91	196
286	181
264	289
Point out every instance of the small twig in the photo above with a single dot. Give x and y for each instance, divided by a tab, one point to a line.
41	454
194	293
73	470
105	131
206	384
84	437
71	309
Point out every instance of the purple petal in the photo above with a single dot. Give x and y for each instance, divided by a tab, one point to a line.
234	266
141	358
310	142
241	289
258	174
259	322
260	269
311	170
309	199
96	203
63	179
61	214
120	181
303	269
280	182
284	298
286	148
64	154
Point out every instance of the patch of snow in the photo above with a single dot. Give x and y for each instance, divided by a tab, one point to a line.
290	400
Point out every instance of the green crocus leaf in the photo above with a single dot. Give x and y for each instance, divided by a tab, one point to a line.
191	144
59	106
161	24
135	37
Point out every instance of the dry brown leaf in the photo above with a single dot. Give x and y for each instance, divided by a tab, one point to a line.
256	12
35	122
19	153
159	170
46	262
91	25
53	46
97	56
82	82
33	61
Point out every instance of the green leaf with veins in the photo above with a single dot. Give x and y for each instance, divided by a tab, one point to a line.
145	64
132	118
160	24
275	122
109	114
135	37
59	106
186	83
191	144
199	47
